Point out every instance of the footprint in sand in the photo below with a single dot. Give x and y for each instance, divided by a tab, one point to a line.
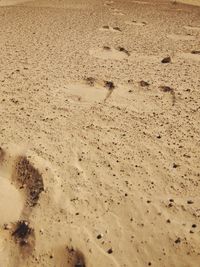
108	3
21	185
177	37
118	13
136	23
90	90
12	2
109	28
194	28
107	52
194	56
69	257
141	2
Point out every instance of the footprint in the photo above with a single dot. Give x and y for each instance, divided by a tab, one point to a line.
108	3
134	22
109	53
69	257
177	37
109	28
167	89
195	28
118	13
89	90
140	2
194	56
21	185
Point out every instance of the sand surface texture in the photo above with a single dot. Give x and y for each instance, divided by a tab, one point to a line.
99	133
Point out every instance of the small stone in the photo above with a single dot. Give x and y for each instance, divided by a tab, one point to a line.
168	221
99	236
106	47
194	226
166	60
110	251
175	165
178	240
143	83
109	85
190	202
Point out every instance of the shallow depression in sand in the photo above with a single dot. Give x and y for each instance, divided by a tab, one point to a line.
110	53
81	92
12	2
11	203
177	37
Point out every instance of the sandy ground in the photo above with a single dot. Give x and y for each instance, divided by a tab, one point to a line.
100	140
191	2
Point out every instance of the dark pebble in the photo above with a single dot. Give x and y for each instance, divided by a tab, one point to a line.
110	251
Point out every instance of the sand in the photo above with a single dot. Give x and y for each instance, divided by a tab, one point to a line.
191	2
100	141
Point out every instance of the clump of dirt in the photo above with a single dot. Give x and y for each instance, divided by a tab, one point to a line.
143	83
22	230
24	236
30	179
75	258
109	85
90	81
195	52
122	49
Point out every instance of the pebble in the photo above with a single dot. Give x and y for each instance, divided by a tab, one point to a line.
110	251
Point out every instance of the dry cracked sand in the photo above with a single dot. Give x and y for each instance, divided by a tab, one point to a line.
99	133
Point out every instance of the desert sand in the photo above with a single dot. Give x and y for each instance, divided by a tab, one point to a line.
99	133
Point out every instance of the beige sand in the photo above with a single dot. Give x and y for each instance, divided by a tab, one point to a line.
94	173
191	2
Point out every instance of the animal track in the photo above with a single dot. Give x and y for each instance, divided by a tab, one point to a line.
107	52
